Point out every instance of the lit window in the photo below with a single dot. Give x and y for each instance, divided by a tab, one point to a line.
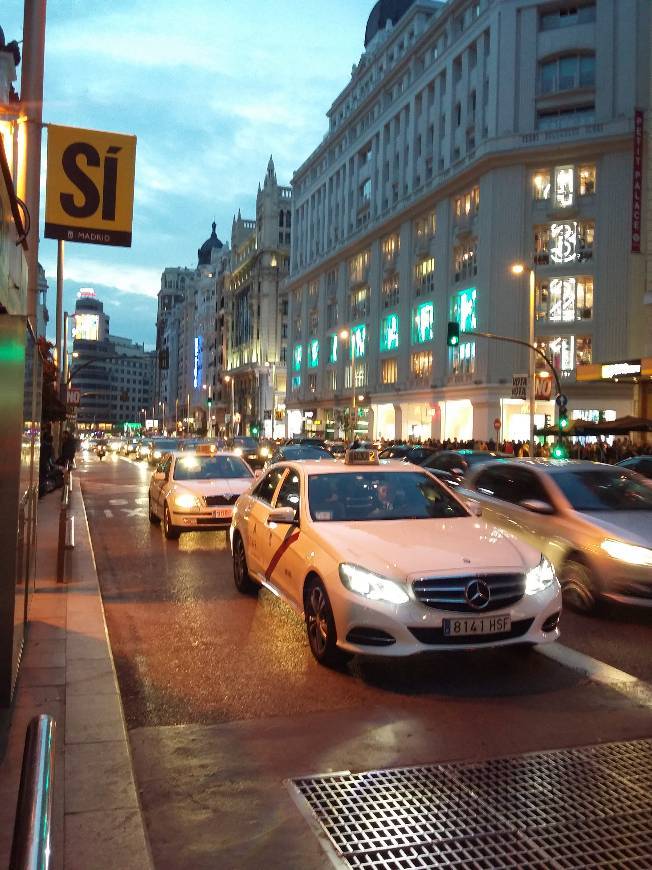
587	180
332	348
565	299
389	333
425	276
463	309
297	357
359	334
423	321
389	371
391	247
564	185
313	353
390	291
421	364
296	382
565	352
541	185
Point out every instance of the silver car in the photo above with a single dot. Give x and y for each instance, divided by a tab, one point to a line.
592	521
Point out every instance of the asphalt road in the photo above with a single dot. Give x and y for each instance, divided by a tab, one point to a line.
224	701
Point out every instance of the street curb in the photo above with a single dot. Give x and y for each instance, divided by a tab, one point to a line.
79	508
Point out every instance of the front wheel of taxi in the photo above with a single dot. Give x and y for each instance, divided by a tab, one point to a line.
171	532
241	577
320	625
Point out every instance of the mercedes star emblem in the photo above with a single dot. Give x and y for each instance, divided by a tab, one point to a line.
477	594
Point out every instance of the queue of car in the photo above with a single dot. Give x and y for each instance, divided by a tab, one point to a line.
384	557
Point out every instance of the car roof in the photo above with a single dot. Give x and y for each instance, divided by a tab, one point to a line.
317	466
555	466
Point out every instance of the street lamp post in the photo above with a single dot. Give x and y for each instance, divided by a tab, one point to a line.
229	380
519	269
344	334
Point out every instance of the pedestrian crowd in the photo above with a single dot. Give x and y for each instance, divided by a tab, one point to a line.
596	451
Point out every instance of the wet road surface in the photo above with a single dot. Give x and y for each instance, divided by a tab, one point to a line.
224	700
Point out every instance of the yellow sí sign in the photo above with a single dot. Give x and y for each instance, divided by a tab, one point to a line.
90	186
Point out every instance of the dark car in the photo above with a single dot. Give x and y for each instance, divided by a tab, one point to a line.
458	462
249	448
294	452
641	464
306	439
415	453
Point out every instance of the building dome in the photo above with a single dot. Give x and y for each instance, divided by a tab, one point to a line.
204	253
384	11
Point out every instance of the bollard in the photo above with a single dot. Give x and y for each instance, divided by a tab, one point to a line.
70	533
63	534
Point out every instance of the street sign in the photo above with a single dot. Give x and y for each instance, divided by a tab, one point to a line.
561	400
542	388
497	424
89	191
519	387
73	396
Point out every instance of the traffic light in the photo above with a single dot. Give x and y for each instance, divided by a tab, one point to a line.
453	337
209	401
563	417
559	451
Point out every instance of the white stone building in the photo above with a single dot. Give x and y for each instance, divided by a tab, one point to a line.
473	135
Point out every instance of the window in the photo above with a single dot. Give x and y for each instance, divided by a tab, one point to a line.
297	357
391	246
288	494
564	299
463	311
422	323
332	348
564	186
296	382
359	303
390	291
267	486
541	186
358	267
359	334
331	313
567	242
312	383
586	180
511	484
558	119
567	73
566	352
389	332
332	379
364	193
468	204
421	365
426	226
313	353
465	260
567	16
424	276
389	371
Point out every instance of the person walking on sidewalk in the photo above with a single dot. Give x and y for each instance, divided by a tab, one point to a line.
68	449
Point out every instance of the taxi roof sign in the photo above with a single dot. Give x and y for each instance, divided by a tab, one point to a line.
205	449
361	456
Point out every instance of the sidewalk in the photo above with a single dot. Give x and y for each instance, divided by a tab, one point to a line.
67	671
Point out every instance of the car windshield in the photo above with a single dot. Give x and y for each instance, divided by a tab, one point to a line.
246	443
305	451
210	467
379	495
604	489
165	444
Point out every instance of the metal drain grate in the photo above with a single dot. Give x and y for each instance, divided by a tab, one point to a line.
569	808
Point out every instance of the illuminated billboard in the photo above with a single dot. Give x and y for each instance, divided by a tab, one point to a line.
86	327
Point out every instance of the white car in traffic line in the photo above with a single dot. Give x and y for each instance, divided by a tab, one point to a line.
192	492
381	559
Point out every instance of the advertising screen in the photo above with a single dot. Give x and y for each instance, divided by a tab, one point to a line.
86	327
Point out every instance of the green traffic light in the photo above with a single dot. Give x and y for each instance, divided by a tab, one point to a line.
559	452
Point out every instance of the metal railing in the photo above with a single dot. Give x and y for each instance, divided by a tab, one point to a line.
31	847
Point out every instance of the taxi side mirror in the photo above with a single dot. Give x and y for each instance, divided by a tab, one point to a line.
283	516
159	475
536	506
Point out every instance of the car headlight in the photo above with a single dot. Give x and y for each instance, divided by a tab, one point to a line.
264	451
372	586
238	451
539	578
157	454
186	501
629	553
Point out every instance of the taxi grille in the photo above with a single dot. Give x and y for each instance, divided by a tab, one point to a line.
448	593
213	500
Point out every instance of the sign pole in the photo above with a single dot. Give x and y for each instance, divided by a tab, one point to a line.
59	338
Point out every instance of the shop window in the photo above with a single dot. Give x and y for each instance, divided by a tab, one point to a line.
389	332
564	186
566	352
391	246
424	276
390	291
313	353
564	299
389	371
465	258
541	186
421	365
567	242
423	323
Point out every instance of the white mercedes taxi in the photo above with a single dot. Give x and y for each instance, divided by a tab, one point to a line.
196	491
380	558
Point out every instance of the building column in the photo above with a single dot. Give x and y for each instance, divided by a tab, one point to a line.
371	420
398	422
484	414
